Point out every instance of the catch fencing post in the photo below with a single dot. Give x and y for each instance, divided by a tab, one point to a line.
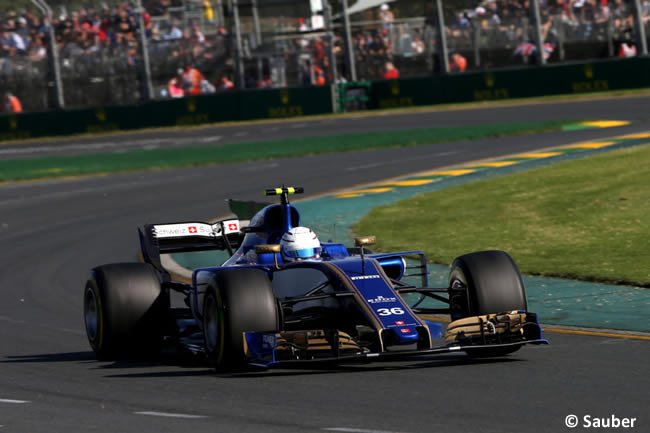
258	40
331	39
239	61
641	41
349	48
539	40
477	44
144	47
327	12
443	51
219	18
54	51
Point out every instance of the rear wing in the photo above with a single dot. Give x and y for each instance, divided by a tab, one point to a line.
157	239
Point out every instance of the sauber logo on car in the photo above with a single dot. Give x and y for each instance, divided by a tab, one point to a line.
180	230
381	299
365	277
195	229
399	322
405	331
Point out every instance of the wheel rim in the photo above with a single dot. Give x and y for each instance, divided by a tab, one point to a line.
460	306
91	313
457	278
211	324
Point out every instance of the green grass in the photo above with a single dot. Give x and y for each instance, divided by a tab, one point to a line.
24	169
609	94
586	219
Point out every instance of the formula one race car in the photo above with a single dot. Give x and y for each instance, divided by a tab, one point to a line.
265	308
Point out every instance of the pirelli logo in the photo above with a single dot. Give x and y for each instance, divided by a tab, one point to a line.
365	277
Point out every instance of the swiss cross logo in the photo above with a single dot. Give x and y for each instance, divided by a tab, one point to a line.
405	331
399	322
192	229
232	226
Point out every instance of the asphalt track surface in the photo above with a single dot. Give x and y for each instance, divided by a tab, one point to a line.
53	232
629	108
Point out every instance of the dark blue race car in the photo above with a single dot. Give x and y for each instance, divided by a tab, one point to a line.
260	310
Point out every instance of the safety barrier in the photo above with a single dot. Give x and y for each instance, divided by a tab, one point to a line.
283	103
513	83
197	110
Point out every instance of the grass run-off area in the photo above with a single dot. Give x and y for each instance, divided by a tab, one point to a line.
585	219
154	159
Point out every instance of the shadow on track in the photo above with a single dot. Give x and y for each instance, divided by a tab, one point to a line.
197	366
458	361
439	362
50	357
89	358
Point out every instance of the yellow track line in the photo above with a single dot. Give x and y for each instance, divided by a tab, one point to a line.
373	190
597	334
498	164
597	145
414	182
606	123
635	136
458	172
540	155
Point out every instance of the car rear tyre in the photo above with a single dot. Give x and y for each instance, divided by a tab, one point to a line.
241	300
125	310
486	282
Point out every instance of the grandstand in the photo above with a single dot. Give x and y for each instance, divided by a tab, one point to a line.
102	63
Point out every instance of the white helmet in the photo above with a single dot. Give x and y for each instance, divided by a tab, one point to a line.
300	243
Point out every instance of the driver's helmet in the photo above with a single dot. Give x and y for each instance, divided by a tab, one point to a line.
300	243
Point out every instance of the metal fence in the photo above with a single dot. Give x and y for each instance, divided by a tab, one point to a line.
122	54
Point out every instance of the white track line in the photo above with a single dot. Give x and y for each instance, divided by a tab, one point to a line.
210	139
356	430
170	415
6	400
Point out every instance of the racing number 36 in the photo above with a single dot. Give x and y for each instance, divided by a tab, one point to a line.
386	312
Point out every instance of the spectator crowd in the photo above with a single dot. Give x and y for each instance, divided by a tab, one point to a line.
580	17
102	44
106	40
500	24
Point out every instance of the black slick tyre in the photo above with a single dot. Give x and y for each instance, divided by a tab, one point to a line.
125	310
238	301
486	282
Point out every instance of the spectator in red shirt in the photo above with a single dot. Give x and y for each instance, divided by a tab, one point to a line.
226	84
192	81
319	76
12	104
458	63
391	72
627	49
265	83
175	85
